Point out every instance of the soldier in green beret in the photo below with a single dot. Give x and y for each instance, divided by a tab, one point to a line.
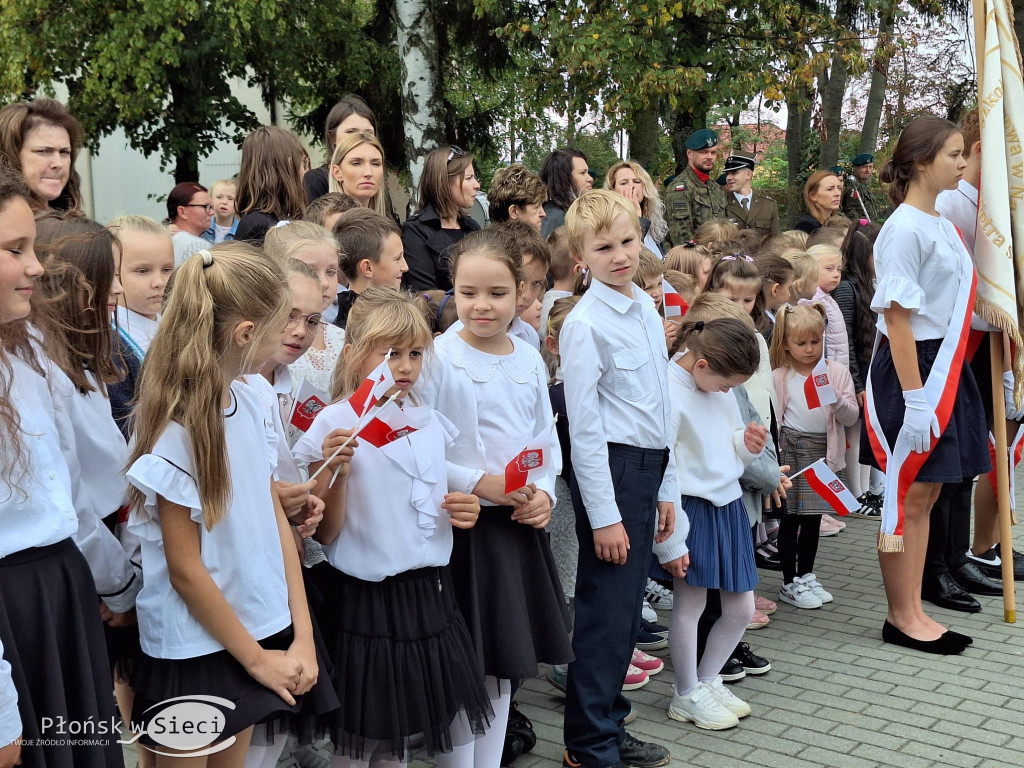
692	197
859	200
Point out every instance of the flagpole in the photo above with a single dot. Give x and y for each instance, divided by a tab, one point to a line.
1003	464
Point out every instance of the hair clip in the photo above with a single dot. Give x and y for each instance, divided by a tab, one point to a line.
699	325
282	223
689	244
207	258
737	256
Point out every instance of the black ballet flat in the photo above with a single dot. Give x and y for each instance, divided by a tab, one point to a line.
965	639
945	645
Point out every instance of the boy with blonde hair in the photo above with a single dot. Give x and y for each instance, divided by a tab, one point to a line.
614	361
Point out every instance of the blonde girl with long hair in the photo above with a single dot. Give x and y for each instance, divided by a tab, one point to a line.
222	611
402	659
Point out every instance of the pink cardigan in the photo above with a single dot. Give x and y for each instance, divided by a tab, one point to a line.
842	413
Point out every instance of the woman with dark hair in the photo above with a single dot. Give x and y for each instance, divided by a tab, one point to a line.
823	193
350	115
269	182
566	174
188	215
924	418
40	139
448	188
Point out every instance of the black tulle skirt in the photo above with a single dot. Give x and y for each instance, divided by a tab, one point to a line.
404	664
507	585
53	639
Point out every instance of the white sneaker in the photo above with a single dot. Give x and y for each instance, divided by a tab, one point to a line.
658	596
798	594
812	583
727	698
702	708
649	613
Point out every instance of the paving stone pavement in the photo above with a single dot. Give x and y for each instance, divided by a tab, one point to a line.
837	697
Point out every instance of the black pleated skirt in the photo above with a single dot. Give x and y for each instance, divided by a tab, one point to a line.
962	450
404	664
53	639
507	586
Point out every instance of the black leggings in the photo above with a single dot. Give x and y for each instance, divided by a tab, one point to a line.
798	545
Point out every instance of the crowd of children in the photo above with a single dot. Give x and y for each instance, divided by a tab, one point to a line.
363	516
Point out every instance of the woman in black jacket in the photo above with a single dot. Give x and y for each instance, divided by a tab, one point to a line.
823	193
566	174
448	187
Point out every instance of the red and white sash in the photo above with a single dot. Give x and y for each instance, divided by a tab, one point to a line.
1014	451
901	465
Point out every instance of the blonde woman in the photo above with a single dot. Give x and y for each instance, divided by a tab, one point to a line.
357	170
629	179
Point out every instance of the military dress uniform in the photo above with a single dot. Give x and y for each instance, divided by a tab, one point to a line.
762	216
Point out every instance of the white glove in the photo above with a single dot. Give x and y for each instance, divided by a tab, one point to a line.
919	420
1011	409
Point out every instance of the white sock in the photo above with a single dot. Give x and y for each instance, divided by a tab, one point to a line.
482	751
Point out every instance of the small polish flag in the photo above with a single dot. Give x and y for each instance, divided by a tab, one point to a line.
673	303
827	485
818	388
529	464
309	401
387	425
373	388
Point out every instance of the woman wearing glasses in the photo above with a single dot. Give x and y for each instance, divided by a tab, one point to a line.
188	215
448	187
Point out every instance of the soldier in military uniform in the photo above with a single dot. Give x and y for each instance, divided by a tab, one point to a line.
693	197
859	201
747	209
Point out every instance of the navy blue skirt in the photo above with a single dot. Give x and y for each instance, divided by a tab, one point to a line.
721	547
962	450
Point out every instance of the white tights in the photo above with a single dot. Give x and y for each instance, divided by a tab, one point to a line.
266	757
737	610
481	751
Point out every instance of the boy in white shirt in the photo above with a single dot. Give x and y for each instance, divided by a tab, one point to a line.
614	362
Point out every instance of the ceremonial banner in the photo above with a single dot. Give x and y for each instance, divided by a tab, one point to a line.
999	245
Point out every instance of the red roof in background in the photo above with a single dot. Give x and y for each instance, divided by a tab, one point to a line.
765	134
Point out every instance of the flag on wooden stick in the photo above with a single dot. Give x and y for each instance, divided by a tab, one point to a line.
826	483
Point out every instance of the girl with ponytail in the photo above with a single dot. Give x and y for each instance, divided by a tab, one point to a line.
222	611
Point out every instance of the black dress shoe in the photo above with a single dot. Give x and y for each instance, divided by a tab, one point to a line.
946	593
943	645
970	577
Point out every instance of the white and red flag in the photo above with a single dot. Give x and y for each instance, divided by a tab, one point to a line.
827	484
309	401
373	389
530	463
818	388
388	424
674	304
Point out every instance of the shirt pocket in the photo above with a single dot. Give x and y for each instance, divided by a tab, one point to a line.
634	377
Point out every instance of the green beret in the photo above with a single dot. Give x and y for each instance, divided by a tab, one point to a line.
705	138
721	180
863	158
838	169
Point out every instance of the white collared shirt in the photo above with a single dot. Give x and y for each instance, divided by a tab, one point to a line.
614	362
139	327
960	206
740	198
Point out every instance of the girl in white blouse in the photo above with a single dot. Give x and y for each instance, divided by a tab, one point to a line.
403	661
493	387
222	611
923	409
50	629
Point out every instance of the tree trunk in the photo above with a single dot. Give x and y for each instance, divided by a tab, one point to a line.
422	87
832	110
876	92
1018	19
186	161
643	137
798	128
683	125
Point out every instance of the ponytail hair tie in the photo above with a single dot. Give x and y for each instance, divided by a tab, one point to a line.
207	258
699	325
282	223
440	309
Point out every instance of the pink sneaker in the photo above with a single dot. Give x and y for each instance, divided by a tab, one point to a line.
635	678
837	524
759	621
764	605
826	529
652	665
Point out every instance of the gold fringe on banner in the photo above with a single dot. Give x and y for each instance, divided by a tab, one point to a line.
993	315
890	542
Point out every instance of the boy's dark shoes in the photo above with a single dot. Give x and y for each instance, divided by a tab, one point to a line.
971	578
642	754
